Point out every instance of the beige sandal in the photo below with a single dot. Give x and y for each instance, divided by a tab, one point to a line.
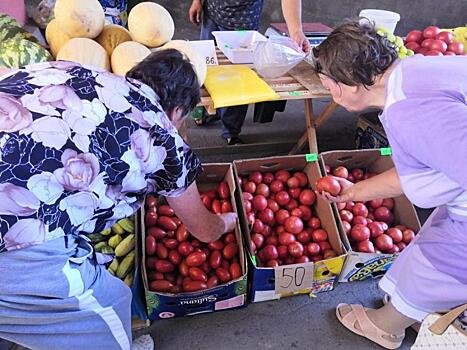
367	328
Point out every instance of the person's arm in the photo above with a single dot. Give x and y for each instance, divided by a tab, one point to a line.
384	185
201	223
195	11
292	11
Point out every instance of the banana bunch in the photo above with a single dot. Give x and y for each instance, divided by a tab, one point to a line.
397	42
120	241
460	35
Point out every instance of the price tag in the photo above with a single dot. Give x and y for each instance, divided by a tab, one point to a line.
207	49
293	278
311	157
386	151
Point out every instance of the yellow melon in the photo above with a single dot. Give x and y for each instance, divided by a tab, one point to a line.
111	36
127	55
55	37
150	24
80	18
197	60
84	51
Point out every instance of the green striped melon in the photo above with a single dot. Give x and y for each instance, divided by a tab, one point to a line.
13	32
15	53
6	20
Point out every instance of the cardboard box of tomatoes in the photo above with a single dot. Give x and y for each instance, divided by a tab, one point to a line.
376	231
370	133
291	236
183	276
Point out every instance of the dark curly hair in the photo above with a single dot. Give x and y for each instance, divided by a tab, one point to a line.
171	75
354	54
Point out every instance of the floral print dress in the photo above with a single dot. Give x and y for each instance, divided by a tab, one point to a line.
79	148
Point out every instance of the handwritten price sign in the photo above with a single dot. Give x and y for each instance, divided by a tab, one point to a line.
293	278
206	49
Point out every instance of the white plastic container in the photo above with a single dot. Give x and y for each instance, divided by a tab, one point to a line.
238	46
382	18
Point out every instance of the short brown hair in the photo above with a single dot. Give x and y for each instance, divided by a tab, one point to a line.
354	54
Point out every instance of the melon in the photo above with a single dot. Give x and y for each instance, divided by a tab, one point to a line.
111	36
151	24
80	18
127	55
84	51
19	52
11	29
55	37
197	60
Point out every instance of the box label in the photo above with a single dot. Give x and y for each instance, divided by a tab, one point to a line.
230	303
293	278
206	49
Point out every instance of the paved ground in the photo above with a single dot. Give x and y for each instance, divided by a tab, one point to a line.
291	323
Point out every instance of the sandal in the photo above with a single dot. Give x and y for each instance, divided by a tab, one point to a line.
358	317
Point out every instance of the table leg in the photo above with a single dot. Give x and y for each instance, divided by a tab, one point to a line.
330	108
310	135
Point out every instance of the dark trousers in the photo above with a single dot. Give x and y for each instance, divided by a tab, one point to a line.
232	117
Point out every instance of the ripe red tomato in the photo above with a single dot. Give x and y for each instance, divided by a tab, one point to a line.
365	247
295	249
447	37
304	237
282	175
250	187
256	177
150	245
150	219
171	243
167	223
215	259
212	281
282	251
408	235
262	189
303	179
449	53
282	198
360	233
295	192
360	209
162	286
267	216
286	238
150	201
426	43
375	203
281	216
235	271
328	184
376	229
175	257
313	248
196	274
276	186
341	171
414	36
293	182
229	251
358	174
272	263
384	243
395	234
314	223
306	212
185	248
431	32
359	220
291	205
268	178
297	212
438	45
260	202
383	214
165	210
293	224
347	227
196	259
346	215
161	251
194	286
456	47
270	252
319	235
164	266
307	197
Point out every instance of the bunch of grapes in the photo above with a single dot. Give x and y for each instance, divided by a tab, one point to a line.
397	42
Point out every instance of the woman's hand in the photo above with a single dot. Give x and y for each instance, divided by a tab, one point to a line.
195	11
301	40
346	194
230	221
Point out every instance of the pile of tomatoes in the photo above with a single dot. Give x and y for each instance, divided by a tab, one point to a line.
279	209
433	42
176	261
370	226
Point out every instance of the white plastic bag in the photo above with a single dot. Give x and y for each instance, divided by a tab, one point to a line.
276	56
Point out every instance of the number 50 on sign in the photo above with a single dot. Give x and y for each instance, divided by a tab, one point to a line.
293	278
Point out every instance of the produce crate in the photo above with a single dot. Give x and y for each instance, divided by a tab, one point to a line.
322	274
222	297
360	266
370	133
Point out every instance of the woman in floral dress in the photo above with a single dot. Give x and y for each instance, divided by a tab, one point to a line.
79	149
424	104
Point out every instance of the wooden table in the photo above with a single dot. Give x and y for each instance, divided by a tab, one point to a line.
300	83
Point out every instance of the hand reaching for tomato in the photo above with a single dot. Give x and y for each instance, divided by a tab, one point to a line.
230	221
344	195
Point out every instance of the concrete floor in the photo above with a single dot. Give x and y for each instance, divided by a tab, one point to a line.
291	323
